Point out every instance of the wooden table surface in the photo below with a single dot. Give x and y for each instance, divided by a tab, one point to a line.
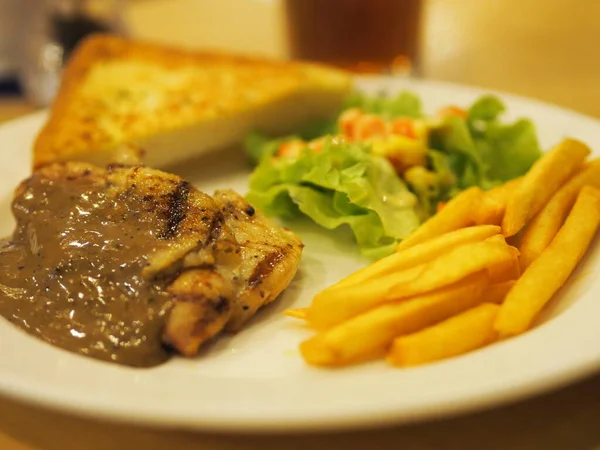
517	45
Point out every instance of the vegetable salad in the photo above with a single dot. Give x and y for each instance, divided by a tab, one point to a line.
382	166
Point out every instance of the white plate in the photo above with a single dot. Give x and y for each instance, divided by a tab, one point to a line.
256	381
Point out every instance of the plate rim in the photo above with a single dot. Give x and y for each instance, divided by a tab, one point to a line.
355	422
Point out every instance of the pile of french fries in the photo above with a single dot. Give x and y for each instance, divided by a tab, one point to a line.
478	271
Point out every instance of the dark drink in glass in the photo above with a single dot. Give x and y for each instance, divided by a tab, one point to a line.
371	36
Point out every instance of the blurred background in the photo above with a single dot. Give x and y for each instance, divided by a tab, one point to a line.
546	49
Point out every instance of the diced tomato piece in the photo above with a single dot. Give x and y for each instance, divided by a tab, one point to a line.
370	126
316	144
452	111
403	127
347	122
290	149
396	161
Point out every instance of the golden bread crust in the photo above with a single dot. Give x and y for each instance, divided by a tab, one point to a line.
118	92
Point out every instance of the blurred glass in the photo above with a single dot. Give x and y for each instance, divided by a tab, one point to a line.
9	34
365	36
53	29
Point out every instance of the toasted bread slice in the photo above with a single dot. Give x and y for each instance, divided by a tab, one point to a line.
120	100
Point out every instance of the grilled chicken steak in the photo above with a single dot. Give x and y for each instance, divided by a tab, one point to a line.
117	263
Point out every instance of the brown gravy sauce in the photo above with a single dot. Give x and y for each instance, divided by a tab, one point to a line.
71	273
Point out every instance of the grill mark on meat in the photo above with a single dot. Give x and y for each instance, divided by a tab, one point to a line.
176	210
112	167
116	166
132	176
266	266
216	226
221	304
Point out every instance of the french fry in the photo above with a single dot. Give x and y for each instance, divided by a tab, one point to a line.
538	235
369	334
338	305
493	203
496	293
330	307
457	264
551	269
466	332
421	253
497	239
508	270
541	181
458	213
297	313
424	302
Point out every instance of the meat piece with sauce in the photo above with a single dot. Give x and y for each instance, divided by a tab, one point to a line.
117	263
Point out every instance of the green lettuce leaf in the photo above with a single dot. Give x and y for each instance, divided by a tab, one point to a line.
481	149
436	184
486	108
454	138
405	104
508	151
342	185
258	146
